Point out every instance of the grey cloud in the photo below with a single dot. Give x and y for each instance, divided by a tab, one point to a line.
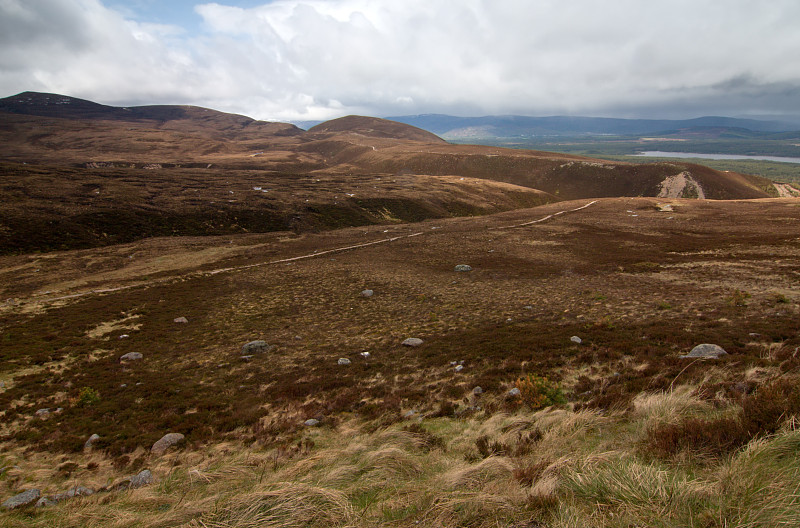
316	59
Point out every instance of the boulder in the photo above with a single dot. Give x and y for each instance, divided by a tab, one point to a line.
577	340
477	390
256	347
311	422
166	441
343	361
513	392
180	320
90	442
26	498
367	293
706	350
42	413
412	342
143	478
463	267
131	356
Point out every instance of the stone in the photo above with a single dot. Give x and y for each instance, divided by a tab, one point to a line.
46	502
365	355
367	293
90	442
463	267
459	368
256	347
131	356
77	491
412	342
43	413
343	361
577	340
514	392
477	390
166	441
26	498
180	320
311	422
141	479
706	350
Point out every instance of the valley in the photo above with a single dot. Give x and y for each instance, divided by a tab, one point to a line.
553	295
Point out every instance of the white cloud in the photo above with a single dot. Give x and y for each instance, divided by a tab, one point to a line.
315	59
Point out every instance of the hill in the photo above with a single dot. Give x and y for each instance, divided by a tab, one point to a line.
462	128
248	292
375	127
97	175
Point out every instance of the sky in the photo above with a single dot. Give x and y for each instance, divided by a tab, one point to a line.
295	60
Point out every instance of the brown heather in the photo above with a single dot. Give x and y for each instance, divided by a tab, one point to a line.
644	438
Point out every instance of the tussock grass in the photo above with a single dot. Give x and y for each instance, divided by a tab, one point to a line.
291	504
583	469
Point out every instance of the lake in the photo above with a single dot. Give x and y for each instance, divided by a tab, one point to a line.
660	154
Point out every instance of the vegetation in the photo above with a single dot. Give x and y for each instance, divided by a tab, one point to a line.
623	149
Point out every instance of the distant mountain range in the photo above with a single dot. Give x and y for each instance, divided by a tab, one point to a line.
515	126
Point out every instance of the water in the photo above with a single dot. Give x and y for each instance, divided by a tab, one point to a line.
660	154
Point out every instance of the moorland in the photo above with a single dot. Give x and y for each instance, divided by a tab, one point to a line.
552	296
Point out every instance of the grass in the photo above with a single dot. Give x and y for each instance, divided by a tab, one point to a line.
584	468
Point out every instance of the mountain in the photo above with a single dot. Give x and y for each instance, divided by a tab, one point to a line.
452	127
80	174
375	127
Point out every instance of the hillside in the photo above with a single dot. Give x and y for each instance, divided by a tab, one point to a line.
399	435
99	175
210	321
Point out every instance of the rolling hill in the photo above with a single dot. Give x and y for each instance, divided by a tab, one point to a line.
247	290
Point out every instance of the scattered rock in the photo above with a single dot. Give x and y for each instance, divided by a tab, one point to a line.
180	320
365	355
52	500
123	336
90	442
343	361
166	441
26	498
311	422
513	392
131	356
477	390
409	414
459	368
577	340
43	413
412	342
143	478
706	350
463	267
367	293
256	347
45	502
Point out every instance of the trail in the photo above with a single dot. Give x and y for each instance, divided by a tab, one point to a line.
100	291
548	217
18	302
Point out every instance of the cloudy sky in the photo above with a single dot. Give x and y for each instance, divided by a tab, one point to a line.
319	59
